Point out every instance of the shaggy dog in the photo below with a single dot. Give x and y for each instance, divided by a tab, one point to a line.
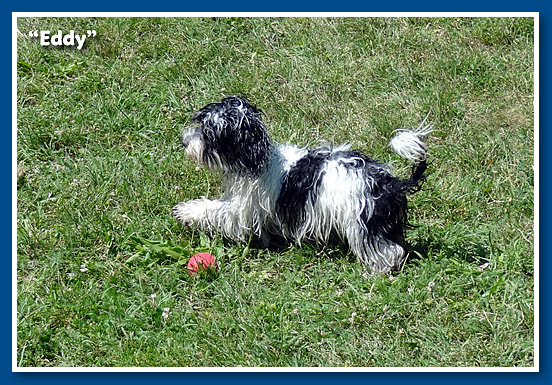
276	191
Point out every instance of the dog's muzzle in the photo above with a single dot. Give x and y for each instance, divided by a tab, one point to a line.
193	145
188	136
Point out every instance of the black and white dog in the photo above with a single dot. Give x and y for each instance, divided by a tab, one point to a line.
277	191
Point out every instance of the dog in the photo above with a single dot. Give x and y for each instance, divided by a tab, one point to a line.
274	191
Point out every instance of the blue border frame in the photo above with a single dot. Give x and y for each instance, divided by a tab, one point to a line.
8	377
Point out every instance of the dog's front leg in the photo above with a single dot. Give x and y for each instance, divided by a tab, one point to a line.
210	215
198	212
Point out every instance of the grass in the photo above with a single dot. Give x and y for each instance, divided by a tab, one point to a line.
99	258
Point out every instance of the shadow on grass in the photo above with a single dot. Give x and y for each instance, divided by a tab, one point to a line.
467	249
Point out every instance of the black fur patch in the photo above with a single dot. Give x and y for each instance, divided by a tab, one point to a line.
303	180
390	208
389	217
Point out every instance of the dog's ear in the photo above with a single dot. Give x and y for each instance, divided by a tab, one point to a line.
252	142
246	137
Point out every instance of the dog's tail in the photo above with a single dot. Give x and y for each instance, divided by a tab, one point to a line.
410	145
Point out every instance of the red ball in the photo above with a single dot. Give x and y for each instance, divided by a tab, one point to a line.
205	260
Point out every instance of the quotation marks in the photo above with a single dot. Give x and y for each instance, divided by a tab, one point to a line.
58	39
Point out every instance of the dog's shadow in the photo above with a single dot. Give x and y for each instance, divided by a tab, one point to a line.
468	250
422	246
333	248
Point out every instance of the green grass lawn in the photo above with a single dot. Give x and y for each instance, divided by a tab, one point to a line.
101	264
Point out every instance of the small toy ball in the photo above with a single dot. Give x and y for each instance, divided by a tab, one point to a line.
205	260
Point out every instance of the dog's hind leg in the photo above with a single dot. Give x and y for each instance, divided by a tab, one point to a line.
376	252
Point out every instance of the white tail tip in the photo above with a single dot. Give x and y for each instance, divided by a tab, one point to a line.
410	144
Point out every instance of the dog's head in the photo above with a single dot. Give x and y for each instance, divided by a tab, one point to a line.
230	137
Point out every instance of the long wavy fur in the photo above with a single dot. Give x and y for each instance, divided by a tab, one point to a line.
282	191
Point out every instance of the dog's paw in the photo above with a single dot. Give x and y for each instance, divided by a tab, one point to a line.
198	212
187	212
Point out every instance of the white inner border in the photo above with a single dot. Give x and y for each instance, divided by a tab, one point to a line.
16	15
